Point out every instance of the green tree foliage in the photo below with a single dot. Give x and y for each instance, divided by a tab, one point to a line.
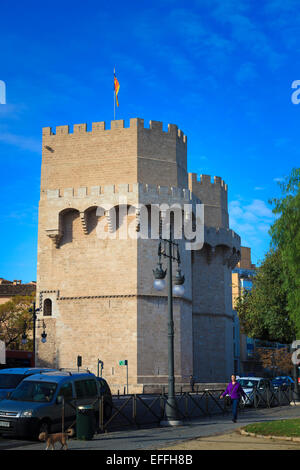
15	319
263	310
285	233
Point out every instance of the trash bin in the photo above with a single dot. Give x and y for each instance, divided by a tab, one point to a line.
85	422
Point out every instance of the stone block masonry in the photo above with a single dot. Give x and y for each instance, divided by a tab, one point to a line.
103	304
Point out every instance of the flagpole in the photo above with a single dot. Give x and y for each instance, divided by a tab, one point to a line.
114	96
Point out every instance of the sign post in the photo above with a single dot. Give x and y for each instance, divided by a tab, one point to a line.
125	363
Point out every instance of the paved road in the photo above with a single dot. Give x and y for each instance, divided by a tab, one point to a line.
159	437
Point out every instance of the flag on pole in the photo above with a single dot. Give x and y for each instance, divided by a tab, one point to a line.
117	87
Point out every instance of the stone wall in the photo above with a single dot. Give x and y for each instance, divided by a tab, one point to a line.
104	305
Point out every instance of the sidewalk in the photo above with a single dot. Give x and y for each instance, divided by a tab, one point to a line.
216	432
234	441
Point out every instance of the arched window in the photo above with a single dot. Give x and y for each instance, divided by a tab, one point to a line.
47	308
70	225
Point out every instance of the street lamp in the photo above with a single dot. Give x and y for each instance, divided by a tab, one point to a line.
178	288
35	320
159	274
171	411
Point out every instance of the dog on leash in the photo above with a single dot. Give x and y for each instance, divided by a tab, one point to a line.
51	439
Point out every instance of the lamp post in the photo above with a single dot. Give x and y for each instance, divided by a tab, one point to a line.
35	320
171	411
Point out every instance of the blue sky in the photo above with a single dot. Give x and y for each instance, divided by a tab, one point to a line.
222	70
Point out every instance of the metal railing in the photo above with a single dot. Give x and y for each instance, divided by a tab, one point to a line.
269	397
142	410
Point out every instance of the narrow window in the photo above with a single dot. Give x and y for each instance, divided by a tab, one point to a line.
47	307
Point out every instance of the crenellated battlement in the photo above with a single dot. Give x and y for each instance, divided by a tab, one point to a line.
115	126
214	195
205	181
117	190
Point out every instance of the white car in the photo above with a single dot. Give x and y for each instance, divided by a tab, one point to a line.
249	384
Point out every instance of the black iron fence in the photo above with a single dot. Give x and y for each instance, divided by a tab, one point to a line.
142	410
137	410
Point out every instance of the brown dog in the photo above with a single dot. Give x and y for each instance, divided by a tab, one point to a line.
51	439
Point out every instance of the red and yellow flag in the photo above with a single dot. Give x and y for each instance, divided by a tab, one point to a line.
117	87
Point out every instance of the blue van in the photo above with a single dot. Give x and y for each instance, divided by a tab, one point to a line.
10	378
42	402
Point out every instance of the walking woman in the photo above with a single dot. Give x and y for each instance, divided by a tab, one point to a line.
235	391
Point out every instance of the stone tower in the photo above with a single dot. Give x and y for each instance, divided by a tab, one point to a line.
95	291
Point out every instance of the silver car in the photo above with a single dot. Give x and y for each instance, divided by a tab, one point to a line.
252	385
36	404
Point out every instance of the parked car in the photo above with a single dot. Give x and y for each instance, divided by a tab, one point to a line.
36	404
283	381
249	384
10	378
106	393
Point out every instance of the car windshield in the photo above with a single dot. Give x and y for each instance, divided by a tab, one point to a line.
34	391
248	383
10	380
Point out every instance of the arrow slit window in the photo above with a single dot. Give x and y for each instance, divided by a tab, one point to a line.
47	310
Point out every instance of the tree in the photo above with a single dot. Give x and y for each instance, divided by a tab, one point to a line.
285	233
14	319
278	361
263	311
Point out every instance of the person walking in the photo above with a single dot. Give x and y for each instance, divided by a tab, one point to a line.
235	391
192	382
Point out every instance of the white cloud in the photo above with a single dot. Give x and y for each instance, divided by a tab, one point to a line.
25	143
252	221
260	209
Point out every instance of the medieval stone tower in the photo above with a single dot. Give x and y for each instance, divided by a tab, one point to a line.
96	292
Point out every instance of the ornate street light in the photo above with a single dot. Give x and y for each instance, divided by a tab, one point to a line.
35	320
159	273
171	410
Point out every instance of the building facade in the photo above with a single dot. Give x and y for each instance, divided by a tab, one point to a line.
11	289
96	259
